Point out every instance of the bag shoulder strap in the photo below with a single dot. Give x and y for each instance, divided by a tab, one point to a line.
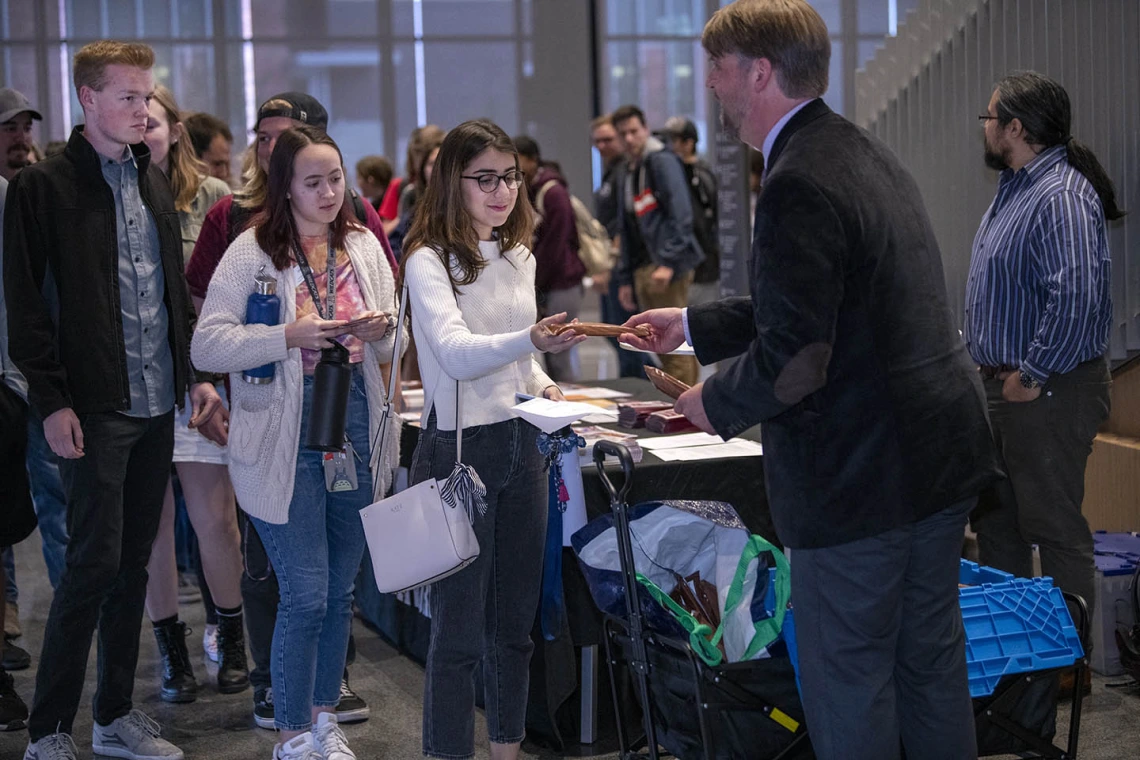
541	196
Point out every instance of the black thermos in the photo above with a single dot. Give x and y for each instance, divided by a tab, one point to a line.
331	383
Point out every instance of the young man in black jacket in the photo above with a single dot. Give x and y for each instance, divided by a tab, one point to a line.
99	324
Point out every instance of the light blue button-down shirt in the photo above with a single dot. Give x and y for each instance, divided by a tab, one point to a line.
150	367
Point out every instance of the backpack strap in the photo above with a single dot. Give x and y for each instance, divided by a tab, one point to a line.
358	207
540	197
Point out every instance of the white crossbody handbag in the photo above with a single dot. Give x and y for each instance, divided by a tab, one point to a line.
424	533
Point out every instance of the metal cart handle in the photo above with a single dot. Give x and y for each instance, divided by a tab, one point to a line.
601	449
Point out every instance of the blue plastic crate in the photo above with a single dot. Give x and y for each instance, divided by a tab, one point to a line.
1118	544
1015	626
973	574
1112	564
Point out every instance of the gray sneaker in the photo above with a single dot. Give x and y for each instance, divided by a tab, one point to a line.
135	736
52	747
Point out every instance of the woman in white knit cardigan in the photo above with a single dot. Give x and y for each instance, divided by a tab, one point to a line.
310	527
471	285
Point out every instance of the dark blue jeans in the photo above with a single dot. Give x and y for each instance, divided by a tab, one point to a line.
51	507
484	613
316	556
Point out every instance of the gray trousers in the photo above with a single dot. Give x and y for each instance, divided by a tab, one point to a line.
881	645
1043	446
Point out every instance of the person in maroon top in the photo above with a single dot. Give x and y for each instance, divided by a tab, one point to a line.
224	222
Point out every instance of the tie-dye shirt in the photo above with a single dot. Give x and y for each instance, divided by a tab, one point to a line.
349	301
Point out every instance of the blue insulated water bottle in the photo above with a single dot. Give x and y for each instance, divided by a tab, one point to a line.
262	308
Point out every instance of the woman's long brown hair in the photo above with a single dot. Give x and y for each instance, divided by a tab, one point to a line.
184	170
276	229
442	222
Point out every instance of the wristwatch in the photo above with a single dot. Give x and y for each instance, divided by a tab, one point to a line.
1028	381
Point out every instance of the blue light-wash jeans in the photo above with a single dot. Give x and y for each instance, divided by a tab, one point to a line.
316	556
484	613
51	508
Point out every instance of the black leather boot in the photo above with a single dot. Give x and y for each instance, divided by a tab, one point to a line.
233	673
178	684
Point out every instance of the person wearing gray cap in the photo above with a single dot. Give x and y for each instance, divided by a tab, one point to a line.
681	133
16	116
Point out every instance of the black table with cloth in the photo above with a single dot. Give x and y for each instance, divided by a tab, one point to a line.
553	713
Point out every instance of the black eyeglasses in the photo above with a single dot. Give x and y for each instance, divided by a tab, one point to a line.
489	183
986	117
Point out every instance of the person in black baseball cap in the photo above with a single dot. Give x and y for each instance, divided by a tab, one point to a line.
16	115
281	112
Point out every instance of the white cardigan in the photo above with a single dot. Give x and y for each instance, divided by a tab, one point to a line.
265	420
480	335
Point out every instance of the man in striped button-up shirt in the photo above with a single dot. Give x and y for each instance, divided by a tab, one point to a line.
1038	312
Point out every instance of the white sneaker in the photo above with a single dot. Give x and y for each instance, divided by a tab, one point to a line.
330	740
52	747
210	642
297	748
135	736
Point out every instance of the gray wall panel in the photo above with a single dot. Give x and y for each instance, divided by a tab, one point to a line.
923	91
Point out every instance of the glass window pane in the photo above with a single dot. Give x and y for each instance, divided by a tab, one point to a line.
19	19
469	17
352	18
188	70
867	49
834	95
403	18
684	18
831	12
194	18
83	17
156	19
488	87
404	71
663	78
873	16
121	20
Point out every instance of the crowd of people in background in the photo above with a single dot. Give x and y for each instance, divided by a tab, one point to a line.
124	402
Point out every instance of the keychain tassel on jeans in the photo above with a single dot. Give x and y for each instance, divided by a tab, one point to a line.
553	446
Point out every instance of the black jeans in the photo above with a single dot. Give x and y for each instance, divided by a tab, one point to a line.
114	502
483	615
1043	447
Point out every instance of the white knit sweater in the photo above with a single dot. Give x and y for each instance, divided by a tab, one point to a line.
480	335
265	420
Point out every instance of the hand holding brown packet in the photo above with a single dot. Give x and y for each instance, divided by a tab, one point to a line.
601	330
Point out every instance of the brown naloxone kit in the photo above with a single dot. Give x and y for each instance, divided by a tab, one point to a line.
599	330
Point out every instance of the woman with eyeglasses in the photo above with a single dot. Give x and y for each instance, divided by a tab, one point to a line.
470	279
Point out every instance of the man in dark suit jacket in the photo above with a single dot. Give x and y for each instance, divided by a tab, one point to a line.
875	435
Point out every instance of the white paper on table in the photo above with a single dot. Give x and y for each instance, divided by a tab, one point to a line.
682	350
584	392
714	451
680	441
548	416
601	417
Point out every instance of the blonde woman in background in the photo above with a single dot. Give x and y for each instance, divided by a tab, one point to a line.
199	458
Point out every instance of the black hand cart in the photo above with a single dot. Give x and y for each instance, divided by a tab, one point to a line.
693	710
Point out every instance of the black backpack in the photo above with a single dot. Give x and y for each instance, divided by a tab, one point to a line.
702	192
240	216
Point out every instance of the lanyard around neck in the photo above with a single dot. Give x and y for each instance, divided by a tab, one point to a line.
311	280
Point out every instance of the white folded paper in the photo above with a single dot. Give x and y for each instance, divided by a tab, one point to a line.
548	416
714	451
680	441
